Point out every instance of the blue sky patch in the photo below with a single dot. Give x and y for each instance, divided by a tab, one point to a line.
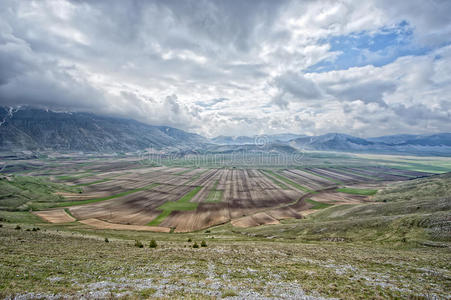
365	48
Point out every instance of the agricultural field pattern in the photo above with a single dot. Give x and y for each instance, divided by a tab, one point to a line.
128	195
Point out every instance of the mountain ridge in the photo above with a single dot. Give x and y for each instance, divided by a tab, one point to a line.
28	128
37	129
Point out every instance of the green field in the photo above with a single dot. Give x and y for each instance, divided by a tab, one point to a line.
214	195
180	205
122	194
317	205
364	192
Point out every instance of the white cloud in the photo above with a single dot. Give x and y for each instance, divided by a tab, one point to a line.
226	67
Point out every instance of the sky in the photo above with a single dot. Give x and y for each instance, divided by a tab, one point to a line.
235	67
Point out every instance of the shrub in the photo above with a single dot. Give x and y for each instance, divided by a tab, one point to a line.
106	240
36	228
138	244
207	231
153	244
203	244
189	240
17	227
229	293
195	245
1	225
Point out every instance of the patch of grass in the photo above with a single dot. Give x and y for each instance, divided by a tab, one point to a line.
214	196
318	205
188	196
23	217
69	213
25	192
289	181
177	205
229	293
80	202
353	191
159	218
182	204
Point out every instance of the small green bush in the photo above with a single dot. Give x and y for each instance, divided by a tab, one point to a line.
229	293
1	225
189	240
138	244
153	244
17	227
195	245
106	240
203	244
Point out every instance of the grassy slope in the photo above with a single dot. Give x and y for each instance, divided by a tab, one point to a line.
353	191
24	192
318	205
415	211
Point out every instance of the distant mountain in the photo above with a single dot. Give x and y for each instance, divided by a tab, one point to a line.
440	139
37	129
256	139
434	144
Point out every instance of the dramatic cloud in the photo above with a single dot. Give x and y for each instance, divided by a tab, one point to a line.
235	67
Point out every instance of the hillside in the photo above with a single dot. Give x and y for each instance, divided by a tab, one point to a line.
414	212
36	129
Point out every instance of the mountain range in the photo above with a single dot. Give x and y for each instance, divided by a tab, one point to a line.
35	129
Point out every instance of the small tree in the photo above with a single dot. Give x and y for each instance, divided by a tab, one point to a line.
153	244
106	240
17	227
138	244
195	245
203	244
189	240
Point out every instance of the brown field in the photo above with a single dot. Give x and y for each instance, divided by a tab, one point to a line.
55	216
244	197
